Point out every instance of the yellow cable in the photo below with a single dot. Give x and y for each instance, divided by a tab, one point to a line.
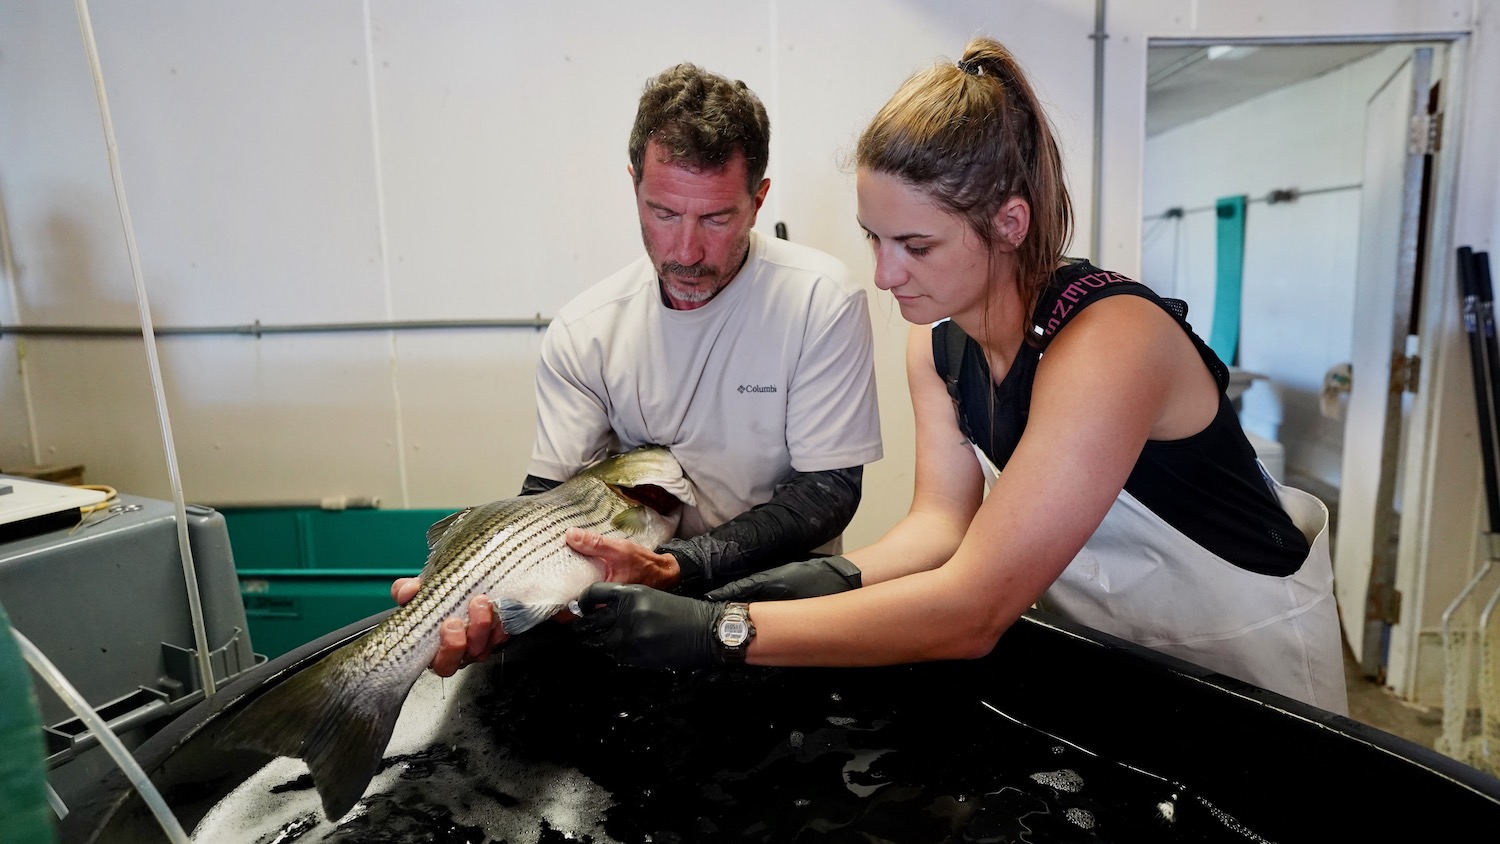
89	509
110	495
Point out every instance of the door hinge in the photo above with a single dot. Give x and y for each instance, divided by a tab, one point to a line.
1426	130
1383	604
1405	373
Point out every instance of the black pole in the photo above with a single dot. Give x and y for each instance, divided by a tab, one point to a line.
1479	268
1479	324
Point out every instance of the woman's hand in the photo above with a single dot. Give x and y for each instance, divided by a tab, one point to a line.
649	628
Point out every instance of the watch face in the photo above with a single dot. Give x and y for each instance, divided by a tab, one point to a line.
733	632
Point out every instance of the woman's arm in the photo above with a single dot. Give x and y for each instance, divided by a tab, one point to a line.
948	487
1123	371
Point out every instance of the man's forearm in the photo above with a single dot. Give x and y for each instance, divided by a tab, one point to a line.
533	485
804	512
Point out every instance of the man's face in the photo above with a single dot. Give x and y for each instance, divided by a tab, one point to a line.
695	224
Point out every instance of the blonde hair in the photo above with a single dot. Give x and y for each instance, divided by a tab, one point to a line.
972	135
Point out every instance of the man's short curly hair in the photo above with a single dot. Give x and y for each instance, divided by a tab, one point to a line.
700	119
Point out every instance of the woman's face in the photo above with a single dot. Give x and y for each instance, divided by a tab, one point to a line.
929	259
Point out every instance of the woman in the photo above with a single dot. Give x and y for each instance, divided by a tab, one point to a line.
1130	499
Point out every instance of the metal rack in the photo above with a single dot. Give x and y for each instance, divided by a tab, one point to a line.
1471	623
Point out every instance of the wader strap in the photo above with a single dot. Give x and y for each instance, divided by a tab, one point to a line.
948	343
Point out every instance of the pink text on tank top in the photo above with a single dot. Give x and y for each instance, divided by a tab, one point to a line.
1068	299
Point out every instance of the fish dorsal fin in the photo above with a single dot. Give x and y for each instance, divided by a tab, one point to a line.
442	526
517	617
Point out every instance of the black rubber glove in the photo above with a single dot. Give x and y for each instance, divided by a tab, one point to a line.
807	579
649	628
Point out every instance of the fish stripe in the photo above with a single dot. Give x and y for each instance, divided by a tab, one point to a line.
528	538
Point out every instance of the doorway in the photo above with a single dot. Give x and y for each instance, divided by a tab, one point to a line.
1257	198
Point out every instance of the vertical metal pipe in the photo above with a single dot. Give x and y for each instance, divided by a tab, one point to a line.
1096	211
8	266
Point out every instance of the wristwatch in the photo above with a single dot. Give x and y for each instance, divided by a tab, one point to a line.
733	631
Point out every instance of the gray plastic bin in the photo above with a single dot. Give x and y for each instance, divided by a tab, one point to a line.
107	604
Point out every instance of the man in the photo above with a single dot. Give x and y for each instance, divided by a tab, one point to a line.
750	357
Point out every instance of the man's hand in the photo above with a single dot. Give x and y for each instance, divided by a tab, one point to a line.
460	642
649	628
624	561
807	579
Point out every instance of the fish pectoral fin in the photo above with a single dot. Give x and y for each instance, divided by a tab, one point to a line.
632	520
517	617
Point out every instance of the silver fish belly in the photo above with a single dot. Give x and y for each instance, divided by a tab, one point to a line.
338	714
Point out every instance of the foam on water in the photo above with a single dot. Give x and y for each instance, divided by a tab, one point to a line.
1066	781
561	745
1082	817
440	767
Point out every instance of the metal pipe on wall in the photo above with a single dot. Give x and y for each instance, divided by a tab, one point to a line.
1097	206
1275	197
257	328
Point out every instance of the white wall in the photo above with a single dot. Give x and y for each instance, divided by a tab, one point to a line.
1297	300
351	161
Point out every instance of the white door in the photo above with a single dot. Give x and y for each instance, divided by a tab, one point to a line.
1390	219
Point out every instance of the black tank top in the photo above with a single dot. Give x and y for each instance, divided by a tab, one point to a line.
1208	485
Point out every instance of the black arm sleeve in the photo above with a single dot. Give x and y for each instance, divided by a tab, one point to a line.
533	485
804	512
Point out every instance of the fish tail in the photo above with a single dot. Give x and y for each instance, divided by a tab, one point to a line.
333	716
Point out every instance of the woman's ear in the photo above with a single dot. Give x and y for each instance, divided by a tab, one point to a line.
1012	222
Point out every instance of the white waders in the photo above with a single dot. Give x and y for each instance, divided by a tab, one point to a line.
1141	579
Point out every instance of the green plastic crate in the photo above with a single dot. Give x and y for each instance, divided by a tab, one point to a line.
308	538
305	572
290	607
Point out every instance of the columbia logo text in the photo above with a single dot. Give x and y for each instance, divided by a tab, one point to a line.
757	388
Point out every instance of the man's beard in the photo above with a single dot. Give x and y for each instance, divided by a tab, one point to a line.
671	271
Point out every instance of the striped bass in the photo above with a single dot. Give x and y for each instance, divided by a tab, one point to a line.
338	715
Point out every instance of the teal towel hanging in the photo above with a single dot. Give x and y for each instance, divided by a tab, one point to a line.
1224	337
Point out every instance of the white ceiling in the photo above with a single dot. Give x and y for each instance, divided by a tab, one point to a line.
1184	84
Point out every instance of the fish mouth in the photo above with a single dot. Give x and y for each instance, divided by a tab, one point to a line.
652	496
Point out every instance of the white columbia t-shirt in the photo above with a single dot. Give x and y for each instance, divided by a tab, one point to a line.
774	375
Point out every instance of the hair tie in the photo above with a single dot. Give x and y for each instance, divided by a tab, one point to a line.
973	68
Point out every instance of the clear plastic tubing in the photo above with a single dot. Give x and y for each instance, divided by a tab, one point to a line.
107	739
